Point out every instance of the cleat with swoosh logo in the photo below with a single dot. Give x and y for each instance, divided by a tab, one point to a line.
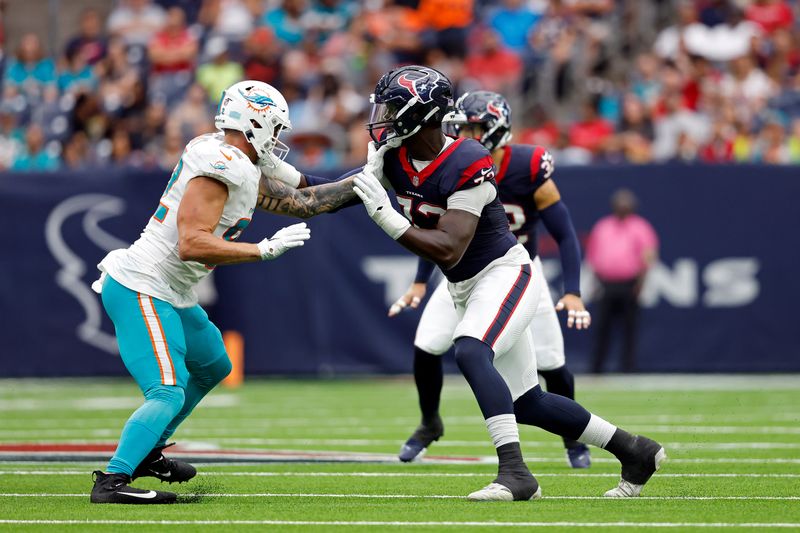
114	488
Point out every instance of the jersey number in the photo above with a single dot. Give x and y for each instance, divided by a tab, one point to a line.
161	212
423	208
235	231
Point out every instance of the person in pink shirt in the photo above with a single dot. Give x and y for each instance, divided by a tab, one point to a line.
621	248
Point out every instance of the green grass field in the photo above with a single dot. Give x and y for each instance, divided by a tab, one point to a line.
733	445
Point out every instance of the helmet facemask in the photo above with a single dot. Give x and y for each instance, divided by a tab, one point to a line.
390	125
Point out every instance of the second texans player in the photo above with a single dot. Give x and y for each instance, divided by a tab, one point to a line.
453	217
528	194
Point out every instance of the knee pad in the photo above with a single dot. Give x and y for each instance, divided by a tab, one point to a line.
210	374
472	351
171	396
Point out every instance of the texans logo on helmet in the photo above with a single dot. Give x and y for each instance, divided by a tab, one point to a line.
419	90
494	110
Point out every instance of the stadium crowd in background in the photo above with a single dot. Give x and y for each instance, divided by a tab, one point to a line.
596	81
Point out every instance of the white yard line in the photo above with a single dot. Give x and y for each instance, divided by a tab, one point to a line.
219	435
404	474
408	496
241	460
370	523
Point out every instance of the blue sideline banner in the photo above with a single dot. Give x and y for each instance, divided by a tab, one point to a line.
721	299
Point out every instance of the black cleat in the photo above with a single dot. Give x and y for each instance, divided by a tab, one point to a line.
170	470
419	441
114	488
638	467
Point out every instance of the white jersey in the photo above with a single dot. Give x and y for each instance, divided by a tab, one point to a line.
152	265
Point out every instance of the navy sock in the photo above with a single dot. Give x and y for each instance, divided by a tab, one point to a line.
474	359
561	381
552	413
428	375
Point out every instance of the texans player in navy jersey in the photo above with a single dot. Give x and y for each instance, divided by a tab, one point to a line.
454	218
528	194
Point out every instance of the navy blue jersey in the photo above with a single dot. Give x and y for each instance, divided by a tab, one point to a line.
523	170
423	199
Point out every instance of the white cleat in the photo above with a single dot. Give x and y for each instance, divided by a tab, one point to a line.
495	492
626	489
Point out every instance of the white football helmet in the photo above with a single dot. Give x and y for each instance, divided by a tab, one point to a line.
258	110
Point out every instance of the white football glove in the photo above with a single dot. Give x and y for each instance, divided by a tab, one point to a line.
283	171
368	187
375	159
283	240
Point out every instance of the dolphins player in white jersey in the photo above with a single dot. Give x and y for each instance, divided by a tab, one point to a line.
166	340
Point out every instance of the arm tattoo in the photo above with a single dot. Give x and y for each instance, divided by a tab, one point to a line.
277	197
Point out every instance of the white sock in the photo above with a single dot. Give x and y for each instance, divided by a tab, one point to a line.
598	432
503	429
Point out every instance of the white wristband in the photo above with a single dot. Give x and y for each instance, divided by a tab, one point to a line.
284	172
392	222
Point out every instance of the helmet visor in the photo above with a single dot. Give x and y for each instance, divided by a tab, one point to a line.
381	122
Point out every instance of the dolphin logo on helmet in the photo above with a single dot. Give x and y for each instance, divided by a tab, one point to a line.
260	112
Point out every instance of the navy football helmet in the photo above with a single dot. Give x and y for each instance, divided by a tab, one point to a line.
406	99
487	109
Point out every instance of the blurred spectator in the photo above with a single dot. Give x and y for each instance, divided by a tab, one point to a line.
30	74
173	52
672	38
262	57
76	76
447	22
78	152
120	85
136	21
192	113
314	149
771	146
12	137
35	156
621	248
220	73
635	118
678	128
169	152
646	82
543	130
747	87
720	148
327	17
771	15
122	153
514	21
287	21
794	142
493	67
231	19
89	42
591	132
